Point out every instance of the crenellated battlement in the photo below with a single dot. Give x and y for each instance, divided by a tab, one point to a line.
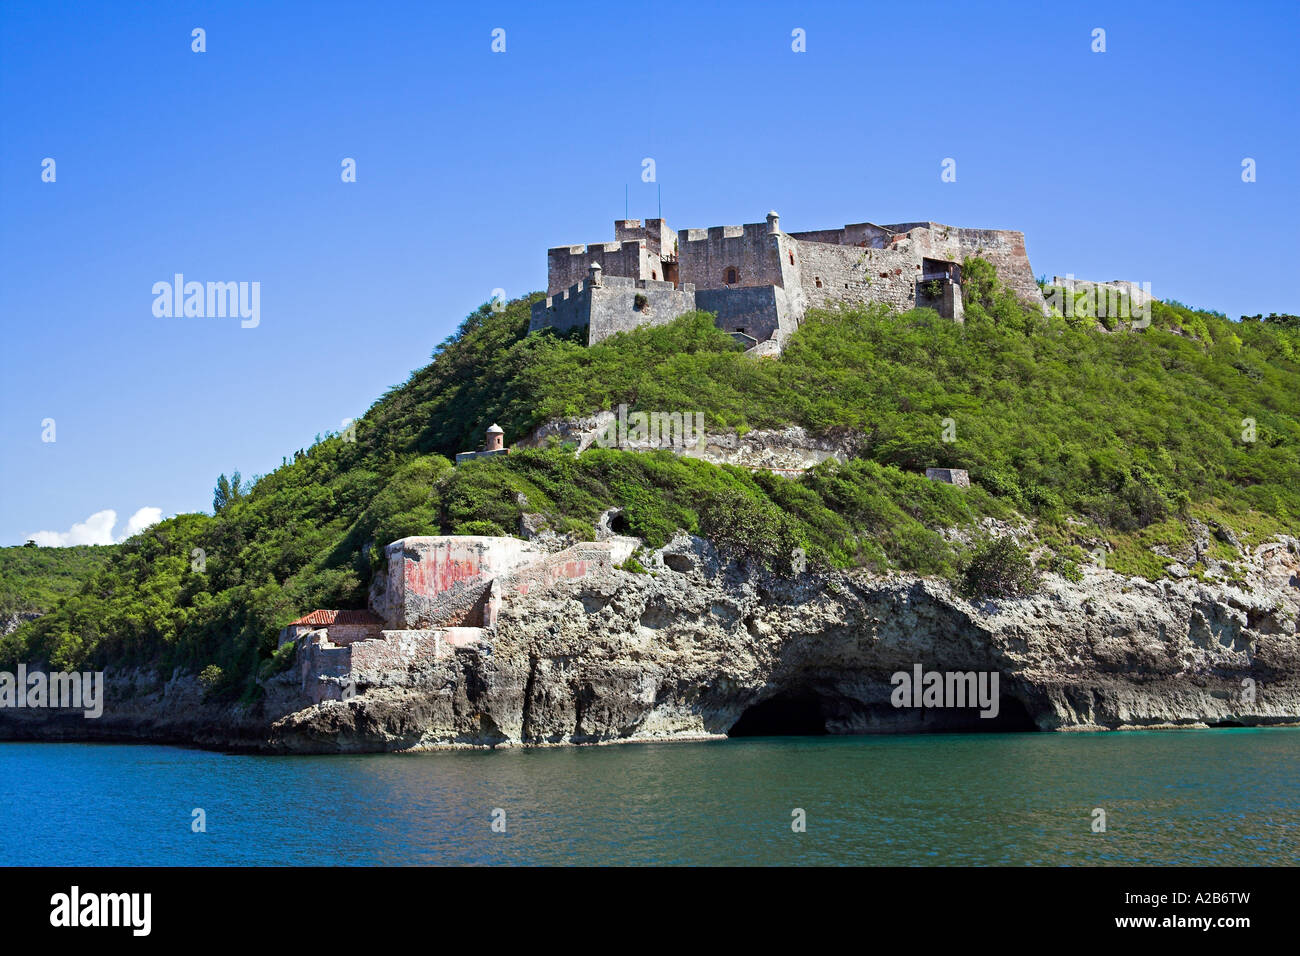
759	280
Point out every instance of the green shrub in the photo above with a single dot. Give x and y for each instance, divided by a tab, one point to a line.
749	526
487	528
578	529
1065	567
998	568
633	565
280	661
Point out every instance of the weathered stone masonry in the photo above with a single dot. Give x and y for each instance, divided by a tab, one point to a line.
439	593
760	281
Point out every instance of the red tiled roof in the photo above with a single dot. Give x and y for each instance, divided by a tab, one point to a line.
325	618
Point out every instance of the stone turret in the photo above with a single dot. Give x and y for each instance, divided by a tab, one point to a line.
493	444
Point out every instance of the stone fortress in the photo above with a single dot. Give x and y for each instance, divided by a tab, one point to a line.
760	281
442	594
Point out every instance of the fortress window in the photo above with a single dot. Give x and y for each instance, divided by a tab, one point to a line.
731	276
818	280
792	258
653	274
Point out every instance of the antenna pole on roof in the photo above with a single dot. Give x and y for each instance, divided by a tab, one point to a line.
625	200
661	199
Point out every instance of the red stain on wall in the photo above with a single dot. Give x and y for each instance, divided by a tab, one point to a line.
428	578
573	568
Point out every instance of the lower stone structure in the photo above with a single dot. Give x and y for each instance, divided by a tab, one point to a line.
345	627
438	594
949	476
437	581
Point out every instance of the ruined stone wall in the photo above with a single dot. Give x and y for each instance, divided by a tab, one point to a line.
351	633
706	254
381	662
1110	292
788	449
323	667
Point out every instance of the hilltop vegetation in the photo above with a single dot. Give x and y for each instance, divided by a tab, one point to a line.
1119	435
33	580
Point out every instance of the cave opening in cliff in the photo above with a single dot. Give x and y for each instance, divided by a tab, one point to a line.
794	714
1013	717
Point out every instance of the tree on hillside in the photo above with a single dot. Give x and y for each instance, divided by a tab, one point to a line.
228	490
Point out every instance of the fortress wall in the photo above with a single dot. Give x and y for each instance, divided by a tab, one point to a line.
790	259
613	306
319	659
563	311
762	312
906	227
833	237
938	242
705	255
567	265
854	234
658	237
1006	250
857	276
373	662
380	661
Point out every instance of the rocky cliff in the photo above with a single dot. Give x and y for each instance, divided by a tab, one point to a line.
785	449
704	646
11	622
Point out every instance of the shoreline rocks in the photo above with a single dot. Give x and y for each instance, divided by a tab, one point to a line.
701	643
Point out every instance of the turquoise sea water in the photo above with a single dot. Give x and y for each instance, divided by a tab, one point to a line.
1189	797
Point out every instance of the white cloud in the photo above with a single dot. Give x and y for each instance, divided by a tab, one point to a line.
97	529
141	520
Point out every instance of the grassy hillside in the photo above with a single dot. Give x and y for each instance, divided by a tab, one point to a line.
33	580
1123	435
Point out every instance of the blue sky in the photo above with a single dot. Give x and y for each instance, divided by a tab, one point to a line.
225	166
